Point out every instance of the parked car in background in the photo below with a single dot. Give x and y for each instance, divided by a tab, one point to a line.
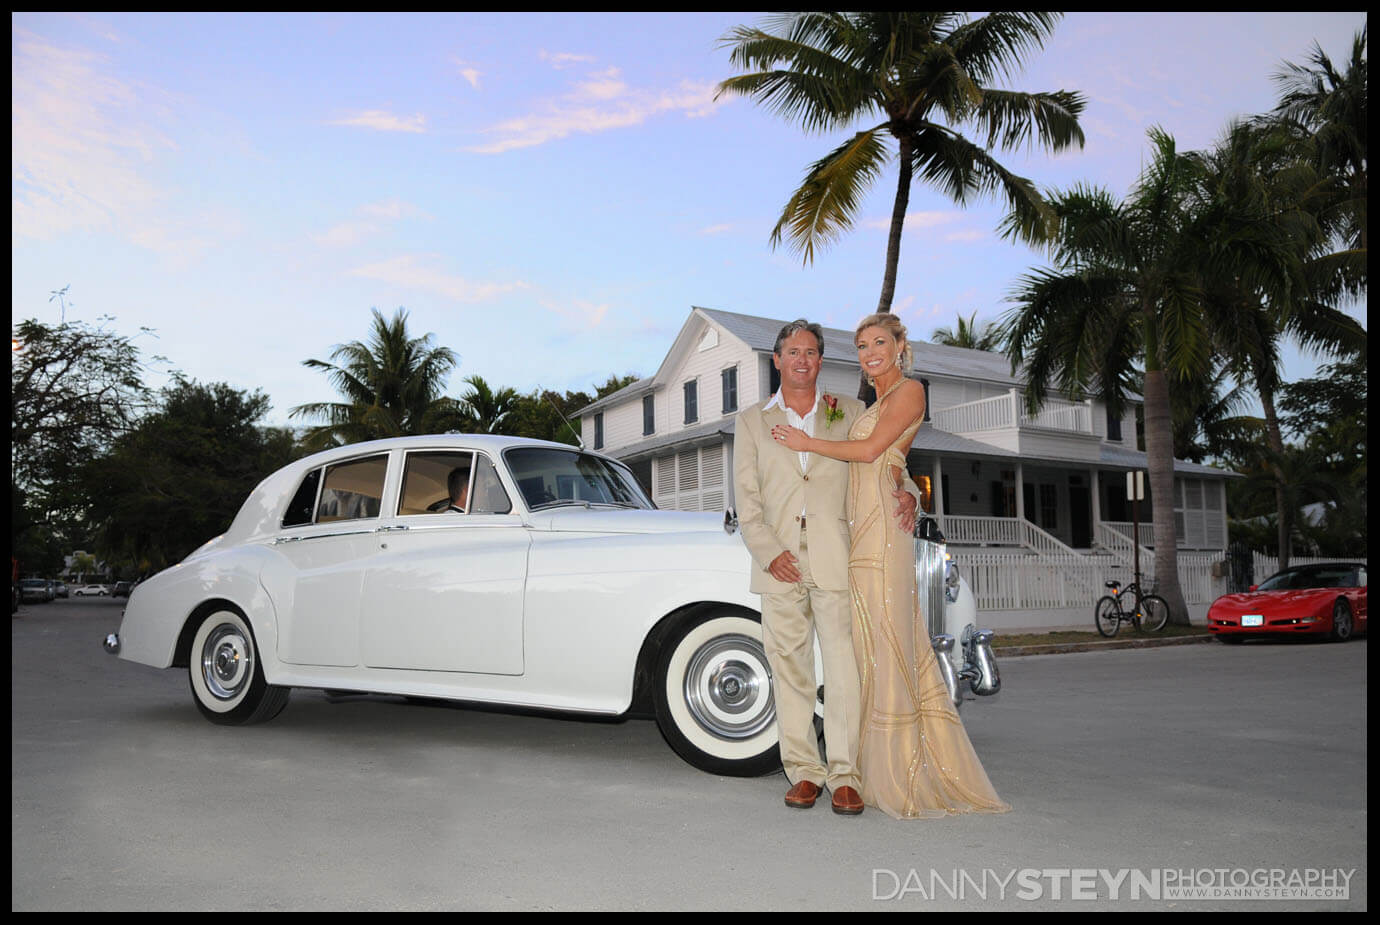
92	591
60	589
558	586
1326	599
35	590
121	589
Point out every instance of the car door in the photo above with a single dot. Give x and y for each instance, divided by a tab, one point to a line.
330	534
444	590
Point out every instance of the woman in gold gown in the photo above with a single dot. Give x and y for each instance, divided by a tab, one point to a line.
914	755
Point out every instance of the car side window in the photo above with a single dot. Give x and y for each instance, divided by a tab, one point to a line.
427	482
352	490
489	496
428	479
303	504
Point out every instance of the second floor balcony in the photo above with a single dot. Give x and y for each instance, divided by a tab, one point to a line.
1007	412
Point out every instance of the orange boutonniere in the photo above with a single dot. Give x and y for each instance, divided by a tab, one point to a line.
831	411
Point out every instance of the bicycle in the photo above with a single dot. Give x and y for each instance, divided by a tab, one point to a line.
1149	614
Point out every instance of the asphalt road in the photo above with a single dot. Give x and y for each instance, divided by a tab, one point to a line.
1129	771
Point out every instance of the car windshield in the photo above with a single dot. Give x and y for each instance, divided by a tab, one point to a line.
550	477
1302	579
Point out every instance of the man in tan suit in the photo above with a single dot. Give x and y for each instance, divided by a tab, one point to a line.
791	514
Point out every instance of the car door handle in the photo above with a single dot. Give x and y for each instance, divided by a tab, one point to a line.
390	529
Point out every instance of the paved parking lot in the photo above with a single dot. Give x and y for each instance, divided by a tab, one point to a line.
1120	766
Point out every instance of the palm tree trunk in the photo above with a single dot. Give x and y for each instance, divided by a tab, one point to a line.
1276	441
1159	452
898	223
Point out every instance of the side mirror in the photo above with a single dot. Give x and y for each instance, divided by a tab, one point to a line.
1252	587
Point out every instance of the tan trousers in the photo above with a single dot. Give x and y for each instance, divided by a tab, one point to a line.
789	623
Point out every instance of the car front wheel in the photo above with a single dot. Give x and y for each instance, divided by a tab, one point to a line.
1341	622
713	694
227	680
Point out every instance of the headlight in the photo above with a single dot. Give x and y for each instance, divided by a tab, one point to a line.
950	579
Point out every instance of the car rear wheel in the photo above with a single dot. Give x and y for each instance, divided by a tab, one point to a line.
227	680
1342	625
713	695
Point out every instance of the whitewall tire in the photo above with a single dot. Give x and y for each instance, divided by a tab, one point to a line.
713	695
227	680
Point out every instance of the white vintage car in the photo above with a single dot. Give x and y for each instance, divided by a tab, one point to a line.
559	587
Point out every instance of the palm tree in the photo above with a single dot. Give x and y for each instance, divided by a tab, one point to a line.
1254	176
970	335
1208	416
925	75
391	385
1127	289
1330	109
487	411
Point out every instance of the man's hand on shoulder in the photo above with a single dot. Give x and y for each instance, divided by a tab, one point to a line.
783	568
905	509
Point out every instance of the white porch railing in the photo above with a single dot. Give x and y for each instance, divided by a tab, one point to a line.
1062	415
1008	411
1126	528
1119	544
982	531
987	414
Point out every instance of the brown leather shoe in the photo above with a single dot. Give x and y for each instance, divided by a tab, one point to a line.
847	802
802	795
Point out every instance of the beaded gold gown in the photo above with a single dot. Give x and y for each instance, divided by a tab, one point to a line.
913	752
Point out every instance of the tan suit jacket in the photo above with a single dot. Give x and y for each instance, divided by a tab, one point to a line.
771	490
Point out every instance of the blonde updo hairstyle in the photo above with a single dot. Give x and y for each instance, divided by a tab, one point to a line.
893	326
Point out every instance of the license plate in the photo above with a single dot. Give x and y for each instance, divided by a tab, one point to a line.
1252	619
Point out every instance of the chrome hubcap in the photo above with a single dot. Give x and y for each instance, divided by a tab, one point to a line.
226	662
728	688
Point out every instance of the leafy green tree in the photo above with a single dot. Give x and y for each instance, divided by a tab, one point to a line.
73	387
545	414
392	385
969	334
926	75
178	478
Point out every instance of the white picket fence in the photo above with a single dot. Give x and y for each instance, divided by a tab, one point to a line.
1023	581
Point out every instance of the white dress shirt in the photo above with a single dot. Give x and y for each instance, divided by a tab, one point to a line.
804	422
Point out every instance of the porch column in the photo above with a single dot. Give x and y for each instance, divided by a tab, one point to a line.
1020	493
937	493
1096	503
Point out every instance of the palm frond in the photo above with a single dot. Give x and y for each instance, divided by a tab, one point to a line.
827	202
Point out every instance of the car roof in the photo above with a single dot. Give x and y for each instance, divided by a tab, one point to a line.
262	518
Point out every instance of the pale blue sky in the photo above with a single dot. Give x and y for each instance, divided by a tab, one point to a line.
547	194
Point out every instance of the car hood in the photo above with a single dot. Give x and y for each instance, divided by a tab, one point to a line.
1276	599
622	520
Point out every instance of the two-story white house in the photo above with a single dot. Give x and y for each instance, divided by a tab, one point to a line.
1034	507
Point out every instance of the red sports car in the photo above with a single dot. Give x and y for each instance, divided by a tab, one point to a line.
1328	598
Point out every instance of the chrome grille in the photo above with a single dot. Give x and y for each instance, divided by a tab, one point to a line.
929	582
